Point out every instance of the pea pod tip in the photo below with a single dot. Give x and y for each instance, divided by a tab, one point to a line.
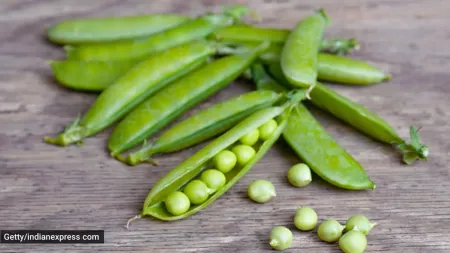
132	219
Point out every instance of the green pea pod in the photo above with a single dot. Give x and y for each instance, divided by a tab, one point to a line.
108	29
135	86
244	33
364	120
314	145
192	167
332	68
172	101
194	29
92	76
205	124
249	33
299	54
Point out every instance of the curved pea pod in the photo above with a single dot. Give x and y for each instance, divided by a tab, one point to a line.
107	29
197	28
206	124
192	167
172	101
313	144
319	150
299	54
368	123
362	119
92	76
140	82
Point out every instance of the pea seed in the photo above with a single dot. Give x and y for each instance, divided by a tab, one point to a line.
214	179
261	191
177	203
354	241
250	138
197	191
330	231
243	154
305	218
280	238
299	175
267	129
225	161
361	222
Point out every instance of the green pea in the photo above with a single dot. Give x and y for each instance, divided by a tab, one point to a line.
267	129
354	241
243	154
197	191
225	161
361	222
177	203
280	238
330	230
299	175
251	138
305	218
261	191
214	179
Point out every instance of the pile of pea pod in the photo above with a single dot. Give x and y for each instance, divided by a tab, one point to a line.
148	70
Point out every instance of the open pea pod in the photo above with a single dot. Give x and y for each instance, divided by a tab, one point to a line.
191	168
314	145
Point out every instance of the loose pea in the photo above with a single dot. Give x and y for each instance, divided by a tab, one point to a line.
197	191
251	138
266	130
361	222
214	179
261	191
177	203
330	230
280	238
299	175
243	154
225	161
305	218
354	241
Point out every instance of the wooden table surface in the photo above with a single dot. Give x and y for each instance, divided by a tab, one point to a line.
47	187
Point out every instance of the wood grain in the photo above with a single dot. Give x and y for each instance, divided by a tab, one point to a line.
46	187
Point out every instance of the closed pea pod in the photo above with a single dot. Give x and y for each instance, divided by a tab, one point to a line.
168	103
205	124
194	29
132	88
363	120
107	29
94	76
192	167
315	146
299	53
